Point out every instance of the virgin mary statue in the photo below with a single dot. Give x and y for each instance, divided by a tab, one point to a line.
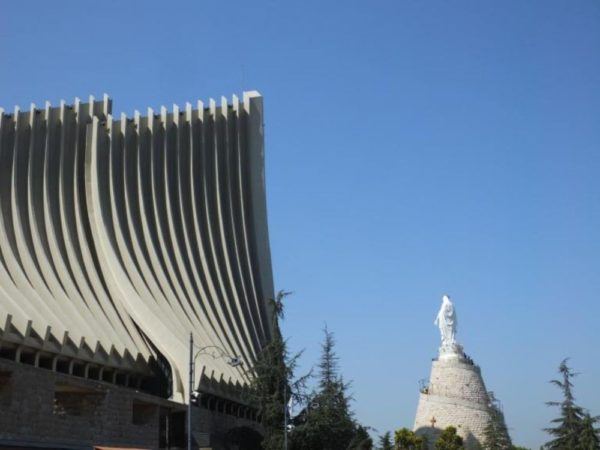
446	321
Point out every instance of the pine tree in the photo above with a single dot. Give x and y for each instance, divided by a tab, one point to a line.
385	441
328	423
589	438
449	440
361	439
495	434
273	381
569	424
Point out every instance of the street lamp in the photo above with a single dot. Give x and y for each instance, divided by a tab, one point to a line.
233	361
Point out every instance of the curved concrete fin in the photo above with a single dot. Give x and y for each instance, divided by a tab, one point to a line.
120	236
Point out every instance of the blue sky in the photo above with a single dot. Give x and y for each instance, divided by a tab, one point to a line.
413	148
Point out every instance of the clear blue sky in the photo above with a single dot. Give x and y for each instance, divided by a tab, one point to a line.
413	148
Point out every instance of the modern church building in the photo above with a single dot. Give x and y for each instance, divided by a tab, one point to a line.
120	237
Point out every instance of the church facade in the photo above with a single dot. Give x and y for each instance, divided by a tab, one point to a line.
120	237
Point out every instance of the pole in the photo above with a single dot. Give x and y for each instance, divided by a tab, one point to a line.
191	388
285	415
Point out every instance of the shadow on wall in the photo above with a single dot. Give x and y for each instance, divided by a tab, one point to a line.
432	434
244	438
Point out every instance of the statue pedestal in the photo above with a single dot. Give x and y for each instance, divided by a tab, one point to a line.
456	396
451	352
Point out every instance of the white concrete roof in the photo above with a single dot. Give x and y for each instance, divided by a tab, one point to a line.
119	236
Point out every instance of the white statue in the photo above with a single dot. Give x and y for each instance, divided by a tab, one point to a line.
446	321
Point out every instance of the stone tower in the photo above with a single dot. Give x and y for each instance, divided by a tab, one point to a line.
456	394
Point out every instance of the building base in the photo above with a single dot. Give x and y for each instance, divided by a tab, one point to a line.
41	408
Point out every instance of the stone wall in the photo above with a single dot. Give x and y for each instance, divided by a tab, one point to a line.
455	378
39	406
456	396
43	408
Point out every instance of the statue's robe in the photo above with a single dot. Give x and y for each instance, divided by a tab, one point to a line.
446	320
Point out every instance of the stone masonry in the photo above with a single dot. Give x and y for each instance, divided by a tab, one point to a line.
41	408
456	396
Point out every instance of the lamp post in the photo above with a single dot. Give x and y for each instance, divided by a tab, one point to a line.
233	361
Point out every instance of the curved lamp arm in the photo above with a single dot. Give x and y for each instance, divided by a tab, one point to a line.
216	352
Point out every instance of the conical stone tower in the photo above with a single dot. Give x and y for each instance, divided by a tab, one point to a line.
456	394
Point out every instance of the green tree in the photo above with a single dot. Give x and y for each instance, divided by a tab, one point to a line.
328	420
569	423
495	434
361	439
449	440
589	438
406	439
516	447
385	441
274	382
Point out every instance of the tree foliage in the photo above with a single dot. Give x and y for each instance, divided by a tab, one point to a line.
385	441
328	422
406	439
574	429
449	440
274	382
495	433
589	438
361	439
